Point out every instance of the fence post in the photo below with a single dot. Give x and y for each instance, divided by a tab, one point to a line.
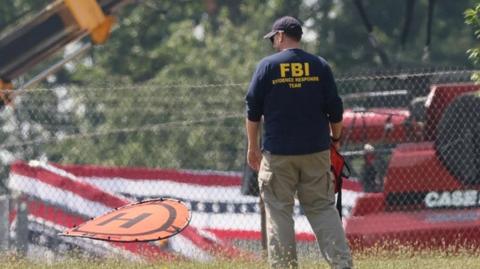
4	225
22	228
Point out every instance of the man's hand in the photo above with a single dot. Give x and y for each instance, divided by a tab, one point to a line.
254	157
336	134
336	145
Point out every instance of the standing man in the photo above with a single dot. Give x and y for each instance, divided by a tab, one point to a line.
295	92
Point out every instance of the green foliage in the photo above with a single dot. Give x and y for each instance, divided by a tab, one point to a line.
155	35
343	40
150	40
472	17
177	126
146	97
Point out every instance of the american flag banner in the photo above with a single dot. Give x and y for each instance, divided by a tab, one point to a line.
61	196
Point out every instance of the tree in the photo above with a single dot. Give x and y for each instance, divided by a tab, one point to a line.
167	88
343	40
472	17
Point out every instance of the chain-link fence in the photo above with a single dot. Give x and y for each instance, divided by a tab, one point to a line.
411	138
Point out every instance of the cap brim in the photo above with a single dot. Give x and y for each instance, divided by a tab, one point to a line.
269	35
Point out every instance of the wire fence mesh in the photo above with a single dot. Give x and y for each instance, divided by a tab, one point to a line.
411	138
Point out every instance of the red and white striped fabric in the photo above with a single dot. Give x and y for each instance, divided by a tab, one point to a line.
60	196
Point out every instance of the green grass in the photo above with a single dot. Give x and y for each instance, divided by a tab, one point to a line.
377	258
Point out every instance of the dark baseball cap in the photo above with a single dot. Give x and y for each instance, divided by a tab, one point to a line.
287	24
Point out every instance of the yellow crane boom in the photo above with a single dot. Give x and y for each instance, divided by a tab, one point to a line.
57	25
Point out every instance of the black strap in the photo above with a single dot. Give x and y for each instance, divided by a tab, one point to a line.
431	6
346	168
409	9
426	52
339	195
346	172
371	37
363	15
339	183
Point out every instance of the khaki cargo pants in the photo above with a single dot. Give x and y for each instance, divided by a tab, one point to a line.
280	178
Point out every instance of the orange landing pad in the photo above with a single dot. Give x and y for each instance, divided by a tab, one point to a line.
144	221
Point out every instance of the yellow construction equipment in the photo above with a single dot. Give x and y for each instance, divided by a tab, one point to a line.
56	26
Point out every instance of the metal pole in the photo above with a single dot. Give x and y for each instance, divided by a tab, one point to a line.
22	228
4	225
54	68
57	66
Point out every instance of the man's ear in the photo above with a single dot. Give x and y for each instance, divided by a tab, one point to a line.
281	37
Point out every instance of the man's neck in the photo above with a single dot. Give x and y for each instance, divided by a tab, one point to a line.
290	46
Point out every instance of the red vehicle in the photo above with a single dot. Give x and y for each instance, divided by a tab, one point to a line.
429	191
419	167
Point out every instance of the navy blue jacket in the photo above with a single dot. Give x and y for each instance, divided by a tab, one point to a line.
296	94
